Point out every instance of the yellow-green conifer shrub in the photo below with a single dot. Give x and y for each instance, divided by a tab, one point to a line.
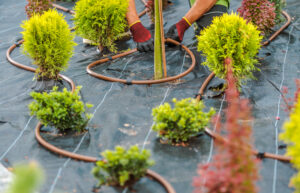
230	36
49	42
291	136
101	21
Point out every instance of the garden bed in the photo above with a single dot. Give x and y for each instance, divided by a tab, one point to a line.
122	113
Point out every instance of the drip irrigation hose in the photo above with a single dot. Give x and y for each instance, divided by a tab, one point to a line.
204	85
31	69
52	148
149	82
288	22
221	139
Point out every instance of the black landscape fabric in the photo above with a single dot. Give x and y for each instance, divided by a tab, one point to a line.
122	113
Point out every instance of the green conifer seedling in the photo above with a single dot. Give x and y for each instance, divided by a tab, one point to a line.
49	42
230	36
291	136
101	21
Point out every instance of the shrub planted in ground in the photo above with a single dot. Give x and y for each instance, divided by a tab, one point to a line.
49	42
122	167
27	179
230	36
62	110
292	138
182	122
101	21
37	7
234	168
259	12
279	5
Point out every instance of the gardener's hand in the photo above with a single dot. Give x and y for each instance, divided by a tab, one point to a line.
142	37
176	31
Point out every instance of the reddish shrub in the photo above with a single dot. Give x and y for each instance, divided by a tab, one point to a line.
37	6
233	169
259	12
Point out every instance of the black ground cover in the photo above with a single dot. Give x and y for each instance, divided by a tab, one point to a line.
122	113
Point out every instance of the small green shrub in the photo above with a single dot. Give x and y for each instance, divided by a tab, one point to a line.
27	178
37	7
49	42
292	138
62	110
101	21
279	5
230	36
182	122
122	167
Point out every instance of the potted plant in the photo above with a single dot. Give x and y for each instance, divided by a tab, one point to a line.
101	21
259	12
49	42
230	37
291	136
177	125
62	110
122	167
37	7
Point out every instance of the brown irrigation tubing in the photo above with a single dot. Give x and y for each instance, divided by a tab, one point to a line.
220	138
84	158
171	78
31	69
204	85
288	22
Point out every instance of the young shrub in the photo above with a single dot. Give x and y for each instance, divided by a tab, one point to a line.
122	167
233	168
101	21
182	122
292	138
279	5
49	42
230	36
62	110
27	179
37	7
259	12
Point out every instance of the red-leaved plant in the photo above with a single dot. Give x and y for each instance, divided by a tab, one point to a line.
259	12
234	169
37	6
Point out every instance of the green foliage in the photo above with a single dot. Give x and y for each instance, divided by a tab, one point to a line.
101	21
37	6
122	167
63	110
279	5
292	138
27	179
49	42
230	36
182	122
